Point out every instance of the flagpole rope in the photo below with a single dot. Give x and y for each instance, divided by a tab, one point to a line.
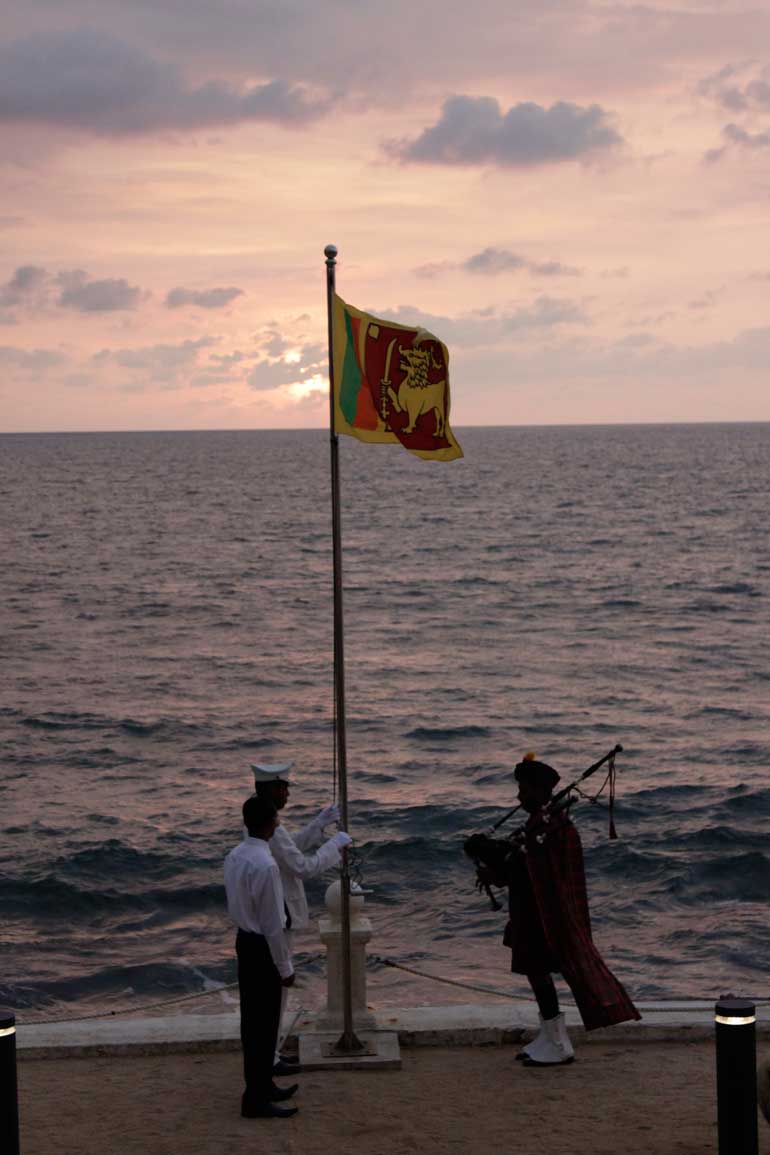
334	744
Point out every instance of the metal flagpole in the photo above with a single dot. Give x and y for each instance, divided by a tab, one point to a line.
348	1042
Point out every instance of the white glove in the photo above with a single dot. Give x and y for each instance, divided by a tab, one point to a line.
330	813
340	839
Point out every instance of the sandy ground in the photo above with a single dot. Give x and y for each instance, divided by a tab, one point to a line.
620	1098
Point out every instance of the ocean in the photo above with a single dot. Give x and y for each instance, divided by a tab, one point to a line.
166	619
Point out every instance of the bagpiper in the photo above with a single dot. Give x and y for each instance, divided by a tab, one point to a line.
549	925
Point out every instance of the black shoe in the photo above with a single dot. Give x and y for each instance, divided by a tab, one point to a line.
284	1068
277	1094
266	1111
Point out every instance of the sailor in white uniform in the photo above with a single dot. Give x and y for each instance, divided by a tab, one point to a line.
294	853
256	906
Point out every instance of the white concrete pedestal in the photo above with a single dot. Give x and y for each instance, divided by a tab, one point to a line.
382	1048
332	1017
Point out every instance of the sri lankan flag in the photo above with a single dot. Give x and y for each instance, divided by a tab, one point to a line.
391	383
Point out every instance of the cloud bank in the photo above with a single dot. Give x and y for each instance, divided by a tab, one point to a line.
163	365
30	360
32	287
483	327
90	80
288	368
473	130
738	88
24	283
744	90
203	298
112	294
493	261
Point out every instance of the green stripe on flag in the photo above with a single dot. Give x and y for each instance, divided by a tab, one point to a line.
351	376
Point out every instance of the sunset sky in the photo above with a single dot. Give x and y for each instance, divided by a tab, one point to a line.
574	196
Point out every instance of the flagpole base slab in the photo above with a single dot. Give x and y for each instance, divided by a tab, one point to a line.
317	1052
335	1051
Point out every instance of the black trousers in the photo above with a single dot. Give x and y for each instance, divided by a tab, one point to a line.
259	984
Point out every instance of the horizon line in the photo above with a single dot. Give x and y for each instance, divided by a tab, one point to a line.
324	429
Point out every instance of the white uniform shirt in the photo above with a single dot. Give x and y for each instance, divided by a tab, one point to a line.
255	897
287	850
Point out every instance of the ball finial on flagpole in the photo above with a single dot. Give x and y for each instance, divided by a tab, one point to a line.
330	252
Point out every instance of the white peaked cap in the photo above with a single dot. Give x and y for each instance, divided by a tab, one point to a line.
271	771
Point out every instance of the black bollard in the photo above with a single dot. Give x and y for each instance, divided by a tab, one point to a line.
736	1042
9	1097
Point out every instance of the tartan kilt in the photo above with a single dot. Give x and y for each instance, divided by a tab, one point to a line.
557	876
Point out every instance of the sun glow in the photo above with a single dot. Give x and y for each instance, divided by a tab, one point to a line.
300	390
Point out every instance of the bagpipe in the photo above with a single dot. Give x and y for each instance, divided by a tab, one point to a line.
480	847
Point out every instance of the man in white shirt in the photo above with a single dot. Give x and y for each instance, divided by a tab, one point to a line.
294	855
255	903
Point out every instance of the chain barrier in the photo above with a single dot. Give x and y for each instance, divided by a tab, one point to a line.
371	960
389	962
